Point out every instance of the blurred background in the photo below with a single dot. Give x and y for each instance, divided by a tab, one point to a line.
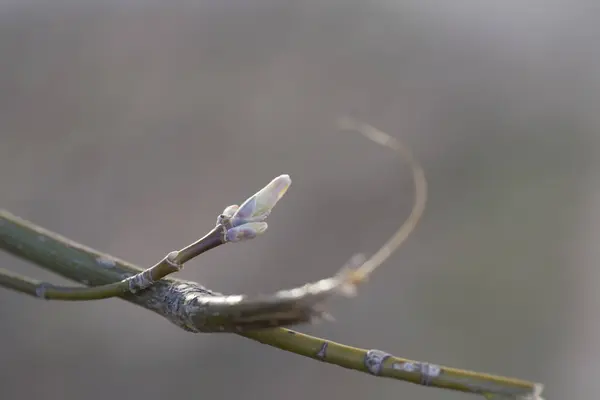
129	125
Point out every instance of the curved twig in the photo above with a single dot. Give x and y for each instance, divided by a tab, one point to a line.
420	199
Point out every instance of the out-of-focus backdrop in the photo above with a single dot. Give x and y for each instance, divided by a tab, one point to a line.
129	125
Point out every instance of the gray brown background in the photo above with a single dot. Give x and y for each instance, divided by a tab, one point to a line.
130	125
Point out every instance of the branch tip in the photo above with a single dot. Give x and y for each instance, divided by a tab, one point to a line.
258	206
247	221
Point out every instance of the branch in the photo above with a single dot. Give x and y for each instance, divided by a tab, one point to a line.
168	298
382	364
173	262
187	304
236	223
198	309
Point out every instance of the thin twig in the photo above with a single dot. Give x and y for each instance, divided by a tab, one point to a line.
420	199
173	262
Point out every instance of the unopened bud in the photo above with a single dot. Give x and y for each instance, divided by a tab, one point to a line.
246	231
258	207
227	213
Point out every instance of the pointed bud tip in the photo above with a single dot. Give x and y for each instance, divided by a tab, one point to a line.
279	186
284	177
258	207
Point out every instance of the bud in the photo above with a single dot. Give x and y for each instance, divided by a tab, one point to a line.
229	211
245	231
258	207
227	214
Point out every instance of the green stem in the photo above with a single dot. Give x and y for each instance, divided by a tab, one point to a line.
386	365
